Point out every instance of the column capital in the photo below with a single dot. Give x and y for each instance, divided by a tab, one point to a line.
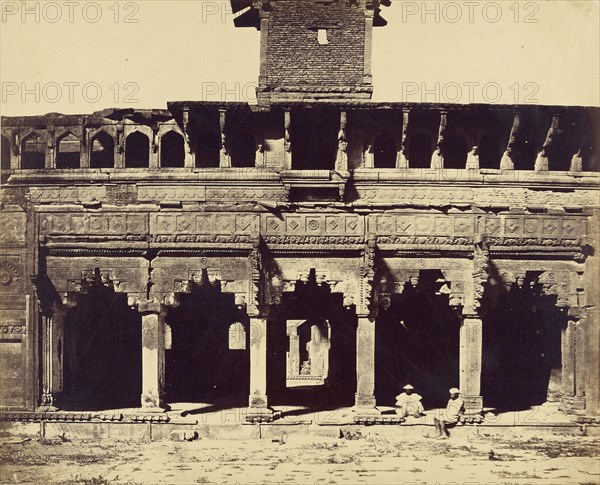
149	306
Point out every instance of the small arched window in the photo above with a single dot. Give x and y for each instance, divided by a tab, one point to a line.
385	151
243	150
137	150
33	152
237	336
172	150
69	152
103	151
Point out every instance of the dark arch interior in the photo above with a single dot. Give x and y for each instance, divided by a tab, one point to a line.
33	153
137	151
314	139
419	150
491	149
103	151
102	352
521	346
316	304
242	147
202	365
454	149
172	150
385	151
417	342
69	152
5	159
208	148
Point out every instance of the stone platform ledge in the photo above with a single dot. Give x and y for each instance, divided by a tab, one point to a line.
162	431
372	419
61	416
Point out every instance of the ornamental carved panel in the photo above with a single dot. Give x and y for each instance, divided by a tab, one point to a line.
118	224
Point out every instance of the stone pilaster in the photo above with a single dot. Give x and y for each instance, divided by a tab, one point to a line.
153	356
591	327
52	359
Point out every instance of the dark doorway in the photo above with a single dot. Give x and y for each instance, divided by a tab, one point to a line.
417	343
209	360
5	165
314	139
385	151
420	150
137	150
242	149
521	345
172	150
326	334
454	149
102	351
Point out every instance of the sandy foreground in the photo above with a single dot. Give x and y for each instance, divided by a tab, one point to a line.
353	459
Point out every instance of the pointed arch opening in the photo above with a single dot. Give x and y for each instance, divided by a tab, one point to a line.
137	150
103	151
33	152
68	154
172	150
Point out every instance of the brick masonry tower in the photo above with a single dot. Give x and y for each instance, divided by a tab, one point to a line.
312	49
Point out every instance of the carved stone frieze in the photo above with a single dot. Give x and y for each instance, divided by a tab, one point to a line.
68	194
251	194
204	224
311	241
13	329
85	223
480	196
314	225
151	193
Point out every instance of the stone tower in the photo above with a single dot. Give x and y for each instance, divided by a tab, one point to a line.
312	49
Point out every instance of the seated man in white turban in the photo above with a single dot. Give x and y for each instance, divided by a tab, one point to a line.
454	410
409	403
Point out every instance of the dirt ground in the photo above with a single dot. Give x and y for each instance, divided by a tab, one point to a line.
354	459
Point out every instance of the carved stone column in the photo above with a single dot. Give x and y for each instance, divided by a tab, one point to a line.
153	356
471	334
365	403
471	346
568	359
52	358
365	366
258	410
294	352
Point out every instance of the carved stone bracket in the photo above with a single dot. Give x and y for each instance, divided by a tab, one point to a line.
368	304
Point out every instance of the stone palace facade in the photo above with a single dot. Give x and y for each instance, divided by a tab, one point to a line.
220	251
